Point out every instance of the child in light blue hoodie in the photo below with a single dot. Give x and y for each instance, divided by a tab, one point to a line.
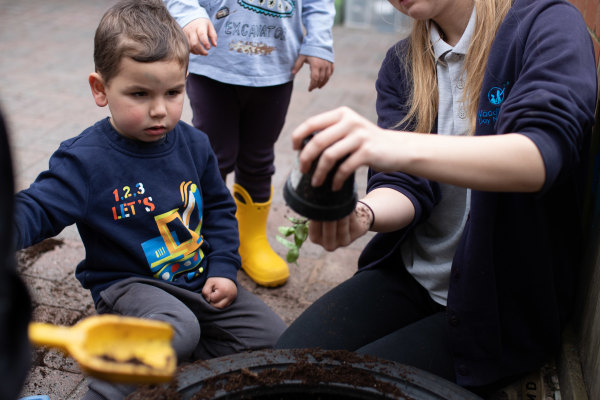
245	54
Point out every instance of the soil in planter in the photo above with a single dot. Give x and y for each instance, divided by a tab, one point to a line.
310	375
156	392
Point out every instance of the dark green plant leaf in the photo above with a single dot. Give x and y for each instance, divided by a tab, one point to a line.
286	243
301	232
286	230
292	255
299	229
297	221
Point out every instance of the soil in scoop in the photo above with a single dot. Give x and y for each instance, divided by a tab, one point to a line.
132	360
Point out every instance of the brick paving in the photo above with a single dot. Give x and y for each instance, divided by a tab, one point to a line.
46	49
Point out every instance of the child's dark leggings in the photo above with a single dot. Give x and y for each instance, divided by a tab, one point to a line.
380	312
243	124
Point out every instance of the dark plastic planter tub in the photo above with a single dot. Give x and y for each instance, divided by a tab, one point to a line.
319	203
310	374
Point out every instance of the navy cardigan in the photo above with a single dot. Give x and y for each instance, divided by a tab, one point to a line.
513	274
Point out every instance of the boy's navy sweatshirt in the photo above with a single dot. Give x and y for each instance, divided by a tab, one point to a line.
513	274
142	209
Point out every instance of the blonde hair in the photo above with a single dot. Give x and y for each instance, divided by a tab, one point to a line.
420	63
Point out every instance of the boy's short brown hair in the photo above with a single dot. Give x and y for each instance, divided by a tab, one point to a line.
142	30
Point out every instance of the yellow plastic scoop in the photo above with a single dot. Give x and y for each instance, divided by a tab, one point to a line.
114	348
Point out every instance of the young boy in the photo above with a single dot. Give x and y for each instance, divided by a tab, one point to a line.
144	189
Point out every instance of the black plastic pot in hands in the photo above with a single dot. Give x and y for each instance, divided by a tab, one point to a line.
319	203
304	374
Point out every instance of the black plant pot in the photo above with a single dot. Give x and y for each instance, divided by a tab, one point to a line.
319	203
307	374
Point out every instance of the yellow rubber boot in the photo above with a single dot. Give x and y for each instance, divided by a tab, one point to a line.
259	260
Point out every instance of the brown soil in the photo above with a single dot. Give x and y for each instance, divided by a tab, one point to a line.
28	256
156	392
133	360
340	369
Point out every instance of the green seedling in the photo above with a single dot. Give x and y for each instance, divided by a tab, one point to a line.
299	231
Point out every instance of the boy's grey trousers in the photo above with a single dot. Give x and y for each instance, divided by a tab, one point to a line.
201	330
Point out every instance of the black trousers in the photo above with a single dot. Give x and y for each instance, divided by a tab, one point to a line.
243	123
381	312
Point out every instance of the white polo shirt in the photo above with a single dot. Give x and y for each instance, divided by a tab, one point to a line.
430	248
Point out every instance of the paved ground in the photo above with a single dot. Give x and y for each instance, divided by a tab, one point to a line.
46	49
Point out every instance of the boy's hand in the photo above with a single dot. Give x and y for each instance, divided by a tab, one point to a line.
200	34
320	70
219	292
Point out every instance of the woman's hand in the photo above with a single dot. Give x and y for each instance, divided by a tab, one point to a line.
219	292
201	35
343	132
340	233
